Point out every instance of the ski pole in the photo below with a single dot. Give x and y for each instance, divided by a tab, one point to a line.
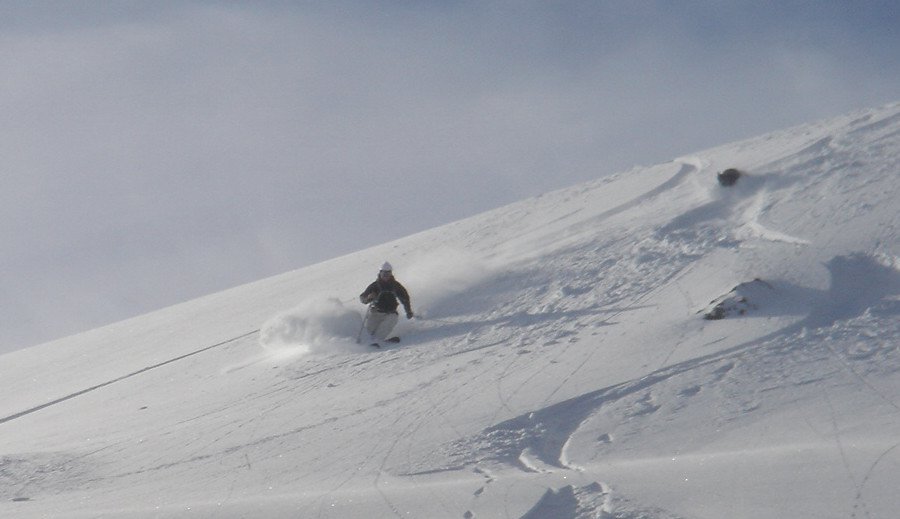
363	326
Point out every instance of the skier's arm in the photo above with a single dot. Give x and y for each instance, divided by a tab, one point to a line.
403	296
368	295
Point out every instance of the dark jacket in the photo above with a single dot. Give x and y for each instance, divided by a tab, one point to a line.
384	296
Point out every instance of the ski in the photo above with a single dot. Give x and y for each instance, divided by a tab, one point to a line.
393	340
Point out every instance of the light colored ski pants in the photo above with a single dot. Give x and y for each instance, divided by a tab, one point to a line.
379	324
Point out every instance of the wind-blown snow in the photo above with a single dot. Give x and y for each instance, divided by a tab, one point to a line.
560	364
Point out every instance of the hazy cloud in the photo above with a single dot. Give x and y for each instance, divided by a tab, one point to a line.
154	152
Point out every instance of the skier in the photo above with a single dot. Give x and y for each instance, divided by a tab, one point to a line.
382	297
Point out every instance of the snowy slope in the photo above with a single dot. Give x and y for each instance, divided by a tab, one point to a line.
560	367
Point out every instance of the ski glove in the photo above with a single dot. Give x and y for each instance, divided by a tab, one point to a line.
409	314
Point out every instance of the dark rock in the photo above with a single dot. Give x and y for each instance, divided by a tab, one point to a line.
729	177
741	300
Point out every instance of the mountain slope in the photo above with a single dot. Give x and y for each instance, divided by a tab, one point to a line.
560	367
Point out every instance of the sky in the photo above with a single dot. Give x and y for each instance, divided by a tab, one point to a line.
157	152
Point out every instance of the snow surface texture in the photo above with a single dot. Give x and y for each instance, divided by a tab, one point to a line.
560	367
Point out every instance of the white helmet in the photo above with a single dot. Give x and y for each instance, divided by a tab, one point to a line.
387	267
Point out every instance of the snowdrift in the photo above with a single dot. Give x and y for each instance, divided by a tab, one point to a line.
561	365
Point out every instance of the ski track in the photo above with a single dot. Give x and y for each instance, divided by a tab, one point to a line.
859	501
688	167
568	415
564	350
119	379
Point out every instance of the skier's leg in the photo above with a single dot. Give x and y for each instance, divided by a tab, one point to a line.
385	326
373	322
